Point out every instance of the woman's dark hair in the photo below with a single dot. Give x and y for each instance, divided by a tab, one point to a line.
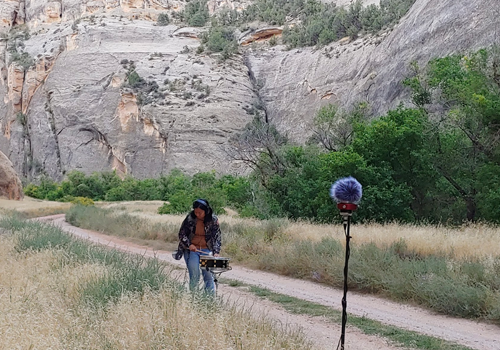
205	206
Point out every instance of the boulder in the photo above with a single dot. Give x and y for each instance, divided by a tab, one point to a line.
10	184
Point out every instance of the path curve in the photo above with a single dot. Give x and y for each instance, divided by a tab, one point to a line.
476	335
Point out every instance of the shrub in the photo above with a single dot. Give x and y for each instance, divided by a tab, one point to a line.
82	201
41	191
221	39
66	198
163	19
134	79
321	23
32	190
179	203
54	195
196	13
23	59
273	41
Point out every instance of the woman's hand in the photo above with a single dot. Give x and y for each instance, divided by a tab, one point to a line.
192	248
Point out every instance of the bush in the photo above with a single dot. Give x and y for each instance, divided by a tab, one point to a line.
66	198
179	203
55	195
163	19
23	59
321	23
196	13
134	80
221	39
32	190
454	298
82	201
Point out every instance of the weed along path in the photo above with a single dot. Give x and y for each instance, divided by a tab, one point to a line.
480	336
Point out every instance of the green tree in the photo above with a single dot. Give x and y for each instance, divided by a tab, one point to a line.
303	191
333	128
398	143
238	190
196	13
163	19
221	39
465	92
174	182
259	146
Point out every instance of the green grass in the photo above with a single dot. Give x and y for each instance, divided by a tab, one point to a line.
398	336
122	225
128	273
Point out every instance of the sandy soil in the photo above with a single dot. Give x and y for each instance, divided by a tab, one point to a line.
473	334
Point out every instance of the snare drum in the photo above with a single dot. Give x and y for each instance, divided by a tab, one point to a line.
214	263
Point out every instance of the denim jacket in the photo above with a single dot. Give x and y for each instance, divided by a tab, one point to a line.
187	232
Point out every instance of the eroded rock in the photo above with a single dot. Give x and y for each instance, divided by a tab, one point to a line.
296	83
83	113
10	184
260	35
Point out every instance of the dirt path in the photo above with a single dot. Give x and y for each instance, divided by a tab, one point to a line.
473	334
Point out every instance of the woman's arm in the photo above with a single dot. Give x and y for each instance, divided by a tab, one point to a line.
216	236
183	234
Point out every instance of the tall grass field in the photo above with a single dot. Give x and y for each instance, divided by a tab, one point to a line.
57	292
451	270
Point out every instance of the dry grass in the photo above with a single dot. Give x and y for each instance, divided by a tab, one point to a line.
289	247
478	240
467	241
144	210
30	207
39	309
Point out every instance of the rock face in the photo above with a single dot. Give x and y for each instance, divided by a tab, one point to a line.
74	110
260	35
106	88
296	83
10	185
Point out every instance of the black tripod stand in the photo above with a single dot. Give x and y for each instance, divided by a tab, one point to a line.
347	225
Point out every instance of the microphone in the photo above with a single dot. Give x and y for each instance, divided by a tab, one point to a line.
347	193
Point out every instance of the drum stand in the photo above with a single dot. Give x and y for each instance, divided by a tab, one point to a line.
216	281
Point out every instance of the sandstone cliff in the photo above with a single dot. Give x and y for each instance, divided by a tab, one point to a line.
67	105
73	110
296	83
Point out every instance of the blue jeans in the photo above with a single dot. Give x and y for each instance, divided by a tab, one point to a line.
192	260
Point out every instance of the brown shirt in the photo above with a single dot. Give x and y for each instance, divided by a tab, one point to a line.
199	236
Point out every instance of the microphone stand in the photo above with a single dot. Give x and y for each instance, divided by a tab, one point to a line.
347	224
346	210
